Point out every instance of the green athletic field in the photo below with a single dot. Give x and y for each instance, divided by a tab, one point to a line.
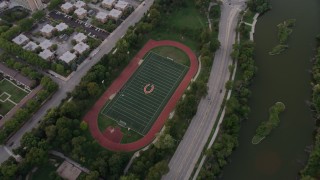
135	109
10	95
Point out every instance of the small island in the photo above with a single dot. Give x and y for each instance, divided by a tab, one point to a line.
265	127
285	30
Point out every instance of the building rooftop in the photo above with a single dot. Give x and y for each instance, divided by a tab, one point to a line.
62	26
47	28
79	4
16	75
21	39
121	5
31	46
45	44
67	57
108	2
80	37
101	15
115	13
81	47
4	4
67	5
46	54
80	11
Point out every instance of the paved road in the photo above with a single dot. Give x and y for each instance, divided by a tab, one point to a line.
193	142
69	85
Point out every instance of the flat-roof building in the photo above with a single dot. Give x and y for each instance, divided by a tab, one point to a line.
81	13
47	30
21	39
61	27
67	57
115	14
81	47
4	5
46	54
102	17
80	4
67	7
31	46
16	76
121	5
108	4
46	44
80	37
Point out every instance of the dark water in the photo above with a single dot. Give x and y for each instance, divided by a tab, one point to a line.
283	78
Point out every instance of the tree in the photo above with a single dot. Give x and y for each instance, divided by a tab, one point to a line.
38	15
93	175
93	89
165	141
70	109
83	125
159	169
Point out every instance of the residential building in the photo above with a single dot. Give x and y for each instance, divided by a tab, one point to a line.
68	57
67	7
46	54
16	76
21	39
4	5
115	14
81	47
108	4
61	27
80	4
32	5
102	17
80	37
46	44
121	5
81	13
47	30
31	46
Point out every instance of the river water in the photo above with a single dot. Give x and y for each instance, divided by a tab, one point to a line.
284	78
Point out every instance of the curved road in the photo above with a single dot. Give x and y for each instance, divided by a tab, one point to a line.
189	150
69	85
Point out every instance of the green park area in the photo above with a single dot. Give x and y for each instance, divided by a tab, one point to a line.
284	32
173	53
10	95
266	127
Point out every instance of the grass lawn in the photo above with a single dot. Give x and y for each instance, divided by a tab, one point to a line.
5	107
174	53
16	93
182	19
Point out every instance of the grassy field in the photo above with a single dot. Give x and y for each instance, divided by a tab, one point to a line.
5	107
16	93
136	109
182	19
174	53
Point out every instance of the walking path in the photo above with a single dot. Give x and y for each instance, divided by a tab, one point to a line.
92	116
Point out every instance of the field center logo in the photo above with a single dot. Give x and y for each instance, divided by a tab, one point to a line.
148	88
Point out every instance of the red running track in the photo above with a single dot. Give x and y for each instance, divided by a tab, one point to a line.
92	116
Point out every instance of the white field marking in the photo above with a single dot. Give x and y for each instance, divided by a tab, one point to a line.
5	93
138	112
128	117
161	105
173	61
18	86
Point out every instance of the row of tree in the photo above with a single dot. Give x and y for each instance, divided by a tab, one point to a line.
311	170
25	113
237	110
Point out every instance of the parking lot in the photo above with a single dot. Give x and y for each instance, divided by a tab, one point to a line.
74	23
